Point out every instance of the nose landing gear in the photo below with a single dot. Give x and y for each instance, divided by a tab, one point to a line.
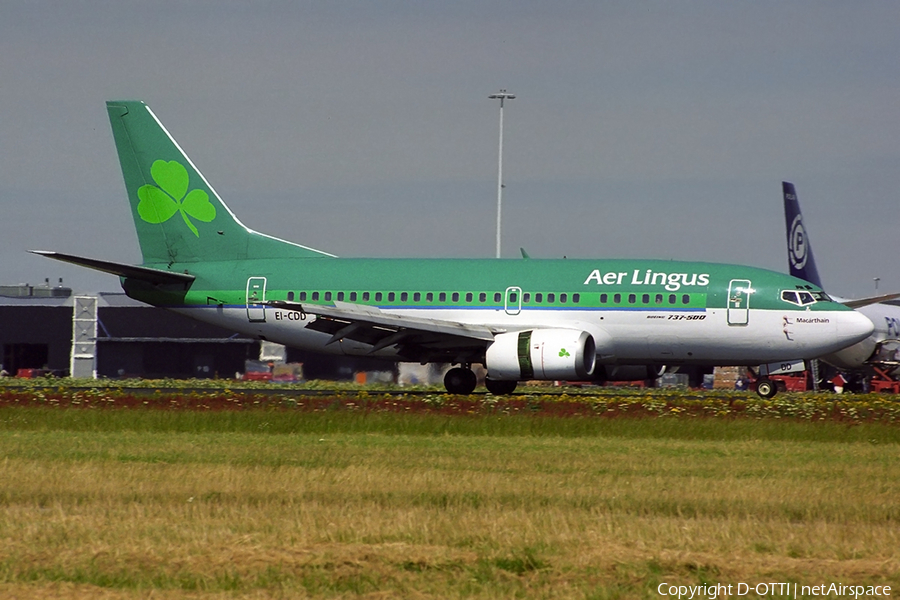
766	388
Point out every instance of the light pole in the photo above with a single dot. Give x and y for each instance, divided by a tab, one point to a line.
502	95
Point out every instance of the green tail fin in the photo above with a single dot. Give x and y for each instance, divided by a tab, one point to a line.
178	215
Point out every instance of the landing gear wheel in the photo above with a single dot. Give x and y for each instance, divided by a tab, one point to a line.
460	380
766	388
500	387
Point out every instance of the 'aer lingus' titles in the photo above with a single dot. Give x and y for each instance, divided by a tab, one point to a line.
671	281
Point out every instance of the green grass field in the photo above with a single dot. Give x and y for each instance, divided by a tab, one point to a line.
259	504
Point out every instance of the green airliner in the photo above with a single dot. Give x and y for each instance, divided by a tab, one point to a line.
522	319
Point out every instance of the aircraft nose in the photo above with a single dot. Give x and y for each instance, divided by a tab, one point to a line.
854	326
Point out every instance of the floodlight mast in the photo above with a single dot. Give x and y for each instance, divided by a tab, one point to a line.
501	95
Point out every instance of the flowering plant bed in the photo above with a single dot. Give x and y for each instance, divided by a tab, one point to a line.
543	402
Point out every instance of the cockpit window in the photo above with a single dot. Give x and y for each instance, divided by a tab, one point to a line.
801	298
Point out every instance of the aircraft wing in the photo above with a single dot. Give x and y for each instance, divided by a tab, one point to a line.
859	303
415	337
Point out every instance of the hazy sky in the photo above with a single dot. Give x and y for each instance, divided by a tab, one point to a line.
640	129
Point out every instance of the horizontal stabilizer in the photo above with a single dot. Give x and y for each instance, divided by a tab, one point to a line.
859	303
154	276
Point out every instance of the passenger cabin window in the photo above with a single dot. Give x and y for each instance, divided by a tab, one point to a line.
539	297
498	296
617	298
378	296
366	296
513	297
429	297
526	297
603	298
302	296
417	297
327	296
631	298
340	296
482	297
290	296
645	298
468	296
576	298
686	299
352	296
442	297
315	295
551	297
671	298
391	296
659	298
563	298
404	296
455	296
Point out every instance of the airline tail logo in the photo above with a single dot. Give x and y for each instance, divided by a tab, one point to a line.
159	204
798	249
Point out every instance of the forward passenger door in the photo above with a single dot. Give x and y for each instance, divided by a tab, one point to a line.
739	291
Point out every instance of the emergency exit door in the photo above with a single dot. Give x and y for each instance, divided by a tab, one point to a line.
256	297
512	302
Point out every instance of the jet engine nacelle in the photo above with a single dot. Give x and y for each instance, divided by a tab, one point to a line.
541	354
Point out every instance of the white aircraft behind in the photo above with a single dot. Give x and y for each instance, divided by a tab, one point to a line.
885	317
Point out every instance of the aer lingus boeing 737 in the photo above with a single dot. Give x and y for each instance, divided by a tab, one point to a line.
522	319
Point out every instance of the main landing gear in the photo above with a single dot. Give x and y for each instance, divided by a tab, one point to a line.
461	380
500	387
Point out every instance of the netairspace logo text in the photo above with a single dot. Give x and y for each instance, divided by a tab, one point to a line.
789	590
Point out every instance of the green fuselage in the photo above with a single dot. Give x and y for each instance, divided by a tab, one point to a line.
647	311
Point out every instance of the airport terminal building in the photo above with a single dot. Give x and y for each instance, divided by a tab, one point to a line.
50	329
46	328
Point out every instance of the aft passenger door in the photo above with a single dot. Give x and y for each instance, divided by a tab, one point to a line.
739	291
256	296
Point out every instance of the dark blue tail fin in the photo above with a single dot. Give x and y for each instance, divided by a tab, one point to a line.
800	256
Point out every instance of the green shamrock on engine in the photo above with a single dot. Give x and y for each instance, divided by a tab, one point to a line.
563	353
159	204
